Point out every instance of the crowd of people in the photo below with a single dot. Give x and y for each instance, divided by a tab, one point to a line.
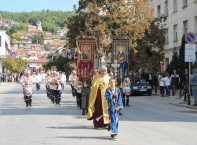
101	97
168	84
9	77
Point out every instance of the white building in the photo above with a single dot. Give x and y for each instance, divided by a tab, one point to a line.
178	17
4	46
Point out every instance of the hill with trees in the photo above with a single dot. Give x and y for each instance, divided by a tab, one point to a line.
50	19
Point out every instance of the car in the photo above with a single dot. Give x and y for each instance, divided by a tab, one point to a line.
139	86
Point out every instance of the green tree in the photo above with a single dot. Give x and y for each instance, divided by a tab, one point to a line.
16	36
76	25
8	62
49	27
38	39
183	65
53	18
20	65
60	63
174	64
14	64
149	47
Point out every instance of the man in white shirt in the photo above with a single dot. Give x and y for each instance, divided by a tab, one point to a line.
38	80
63	80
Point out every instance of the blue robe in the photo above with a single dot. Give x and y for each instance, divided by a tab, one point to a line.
113	104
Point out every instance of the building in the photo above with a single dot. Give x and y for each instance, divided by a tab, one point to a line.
4	46
177	17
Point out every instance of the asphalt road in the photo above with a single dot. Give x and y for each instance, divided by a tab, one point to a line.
150	120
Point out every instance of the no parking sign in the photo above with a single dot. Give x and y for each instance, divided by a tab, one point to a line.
190	38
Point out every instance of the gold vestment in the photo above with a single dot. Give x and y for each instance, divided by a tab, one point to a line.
96	84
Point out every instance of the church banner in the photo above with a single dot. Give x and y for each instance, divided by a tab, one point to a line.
120	58
85	57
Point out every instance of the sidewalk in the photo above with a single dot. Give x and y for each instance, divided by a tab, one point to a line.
179	101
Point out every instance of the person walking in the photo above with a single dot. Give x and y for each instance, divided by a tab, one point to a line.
114	98
98	105
194	86
175	79
149	78
161	85
167	81
125	96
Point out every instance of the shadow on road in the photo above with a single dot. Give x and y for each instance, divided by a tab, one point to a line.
86	137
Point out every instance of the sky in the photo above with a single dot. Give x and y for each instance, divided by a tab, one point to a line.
36	5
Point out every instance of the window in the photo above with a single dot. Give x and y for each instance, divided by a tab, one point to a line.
184	3
166	8
158	11
176	32
185	27
167	62
166	35
175	7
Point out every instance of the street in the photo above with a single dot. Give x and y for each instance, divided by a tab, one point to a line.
150	120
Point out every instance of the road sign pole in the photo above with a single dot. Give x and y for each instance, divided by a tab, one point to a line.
188	95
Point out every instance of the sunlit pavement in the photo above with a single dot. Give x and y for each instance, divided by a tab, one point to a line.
150	120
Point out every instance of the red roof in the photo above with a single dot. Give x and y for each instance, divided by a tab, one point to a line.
36	31
37	61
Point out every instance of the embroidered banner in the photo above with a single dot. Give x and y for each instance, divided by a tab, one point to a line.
85	57
120	58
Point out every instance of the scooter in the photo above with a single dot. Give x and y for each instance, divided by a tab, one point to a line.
28	91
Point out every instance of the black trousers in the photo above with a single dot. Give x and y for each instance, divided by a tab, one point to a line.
125	99
79	99
28	100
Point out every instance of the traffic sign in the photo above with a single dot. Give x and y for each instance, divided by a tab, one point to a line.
190	37
190	50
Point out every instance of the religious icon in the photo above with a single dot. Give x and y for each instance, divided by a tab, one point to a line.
121	56
86	52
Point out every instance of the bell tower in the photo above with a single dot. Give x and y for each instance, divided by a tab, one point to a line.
39	25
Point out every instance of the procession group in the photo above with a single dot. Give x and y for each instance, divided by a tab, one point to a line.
100	97
53	80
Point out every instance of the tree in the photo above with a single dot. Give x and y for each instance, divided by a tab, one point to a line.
62	64
52	19
114	19
149	48
76	26
14	64
20	65
174	64
69	66
8	62
18	27
16	36
38	39
183	65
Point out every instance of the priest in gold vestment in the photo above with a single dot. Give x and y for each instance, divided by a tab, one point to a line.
98	105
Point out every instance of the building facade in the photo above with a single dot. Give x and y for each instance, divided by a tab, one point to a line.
177	17
4	47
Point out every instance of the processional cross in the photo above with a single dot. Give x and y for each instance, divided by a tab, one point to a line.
116	65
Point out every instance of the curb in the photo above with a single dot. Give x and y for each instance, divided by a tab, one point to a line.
183	105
